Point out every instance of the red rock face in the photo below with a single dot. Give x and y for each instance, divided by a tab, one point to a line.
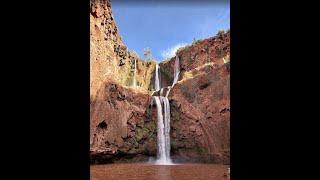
200	112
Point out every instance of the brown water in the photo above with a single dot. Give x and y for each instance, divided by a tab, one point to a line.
158	172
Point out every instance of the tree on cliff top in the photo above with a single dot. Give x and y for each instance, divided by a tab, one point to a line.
147	54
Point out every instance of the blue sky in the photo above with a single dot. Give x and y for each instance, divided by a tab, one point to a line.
166	26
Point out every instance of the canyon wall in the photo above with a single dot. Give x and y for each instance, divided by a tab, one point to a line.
122	121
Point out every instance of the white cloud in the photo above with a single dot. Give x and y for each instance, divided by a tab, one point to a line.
171	52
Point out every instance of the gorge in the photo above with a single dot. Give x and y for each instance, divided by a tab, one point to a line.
176	111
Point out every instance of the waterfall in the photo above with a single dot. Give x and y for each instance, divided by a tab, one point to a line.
176	70
163	116
176	74
156	79
135	73
160	130
163	129
166	106
163	122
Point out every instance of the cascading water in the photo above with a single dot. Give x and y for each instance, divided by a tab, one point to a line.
156	79
135	73
163	116
176	70
176	74
163	124
160	131
163	129
166	109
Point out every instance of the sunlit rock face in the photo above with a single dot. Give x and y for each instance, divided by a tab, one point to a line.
110	59
123	121
118	121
